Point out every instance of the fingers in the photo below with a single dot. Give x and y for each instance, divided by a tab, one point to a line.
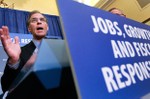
5	37
16	40
1	32
3	41
5	32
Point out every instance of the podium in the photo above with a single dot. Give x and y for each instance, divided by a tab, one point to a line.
49	77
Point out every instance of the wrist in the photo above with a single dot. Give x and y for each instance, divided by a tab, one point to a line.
12	61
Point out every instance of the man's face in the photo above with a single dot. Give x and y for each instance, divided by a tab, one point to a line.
38	26
118	12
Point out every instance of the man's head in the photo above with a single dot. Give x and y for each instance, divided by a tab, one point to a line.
37	25
117	12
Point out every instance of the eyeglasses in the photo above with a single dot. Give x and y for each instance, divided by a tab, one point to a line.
36	20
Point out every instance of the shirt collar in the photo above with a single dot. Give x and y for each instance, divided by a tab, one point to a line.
36	43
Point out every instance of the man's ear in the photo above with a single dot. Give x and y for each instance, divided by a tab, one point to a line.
47	28
29	29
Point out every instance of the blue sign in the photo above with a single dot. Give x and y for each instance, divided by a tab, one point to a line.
110	54
23	38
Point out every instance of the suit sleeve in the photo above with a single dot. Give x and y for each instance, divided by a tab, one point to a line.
9	73
8	77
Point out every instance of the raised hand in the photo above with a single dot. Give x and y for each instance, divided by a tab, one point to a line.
12	49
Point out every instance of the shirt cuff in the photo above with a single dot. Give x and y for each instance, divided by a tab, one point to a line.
15	66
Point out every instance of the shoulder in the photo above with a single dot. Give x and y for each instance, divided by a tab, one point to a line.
28	48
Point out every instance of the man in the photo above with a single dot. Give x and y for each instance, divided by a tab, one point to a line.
37	25
117	12
18	58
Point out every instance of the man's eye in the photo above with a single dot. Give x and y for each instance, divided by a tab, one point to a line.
34	20
43	20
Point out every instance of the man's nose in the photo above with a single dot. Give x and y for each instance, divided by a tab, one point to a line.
39	21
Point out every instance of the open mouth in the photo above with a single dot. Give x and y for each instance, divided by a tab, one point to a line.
40	28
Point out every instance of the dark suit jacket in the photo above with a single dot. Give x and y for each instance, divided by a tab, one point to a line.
9	73
66	90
